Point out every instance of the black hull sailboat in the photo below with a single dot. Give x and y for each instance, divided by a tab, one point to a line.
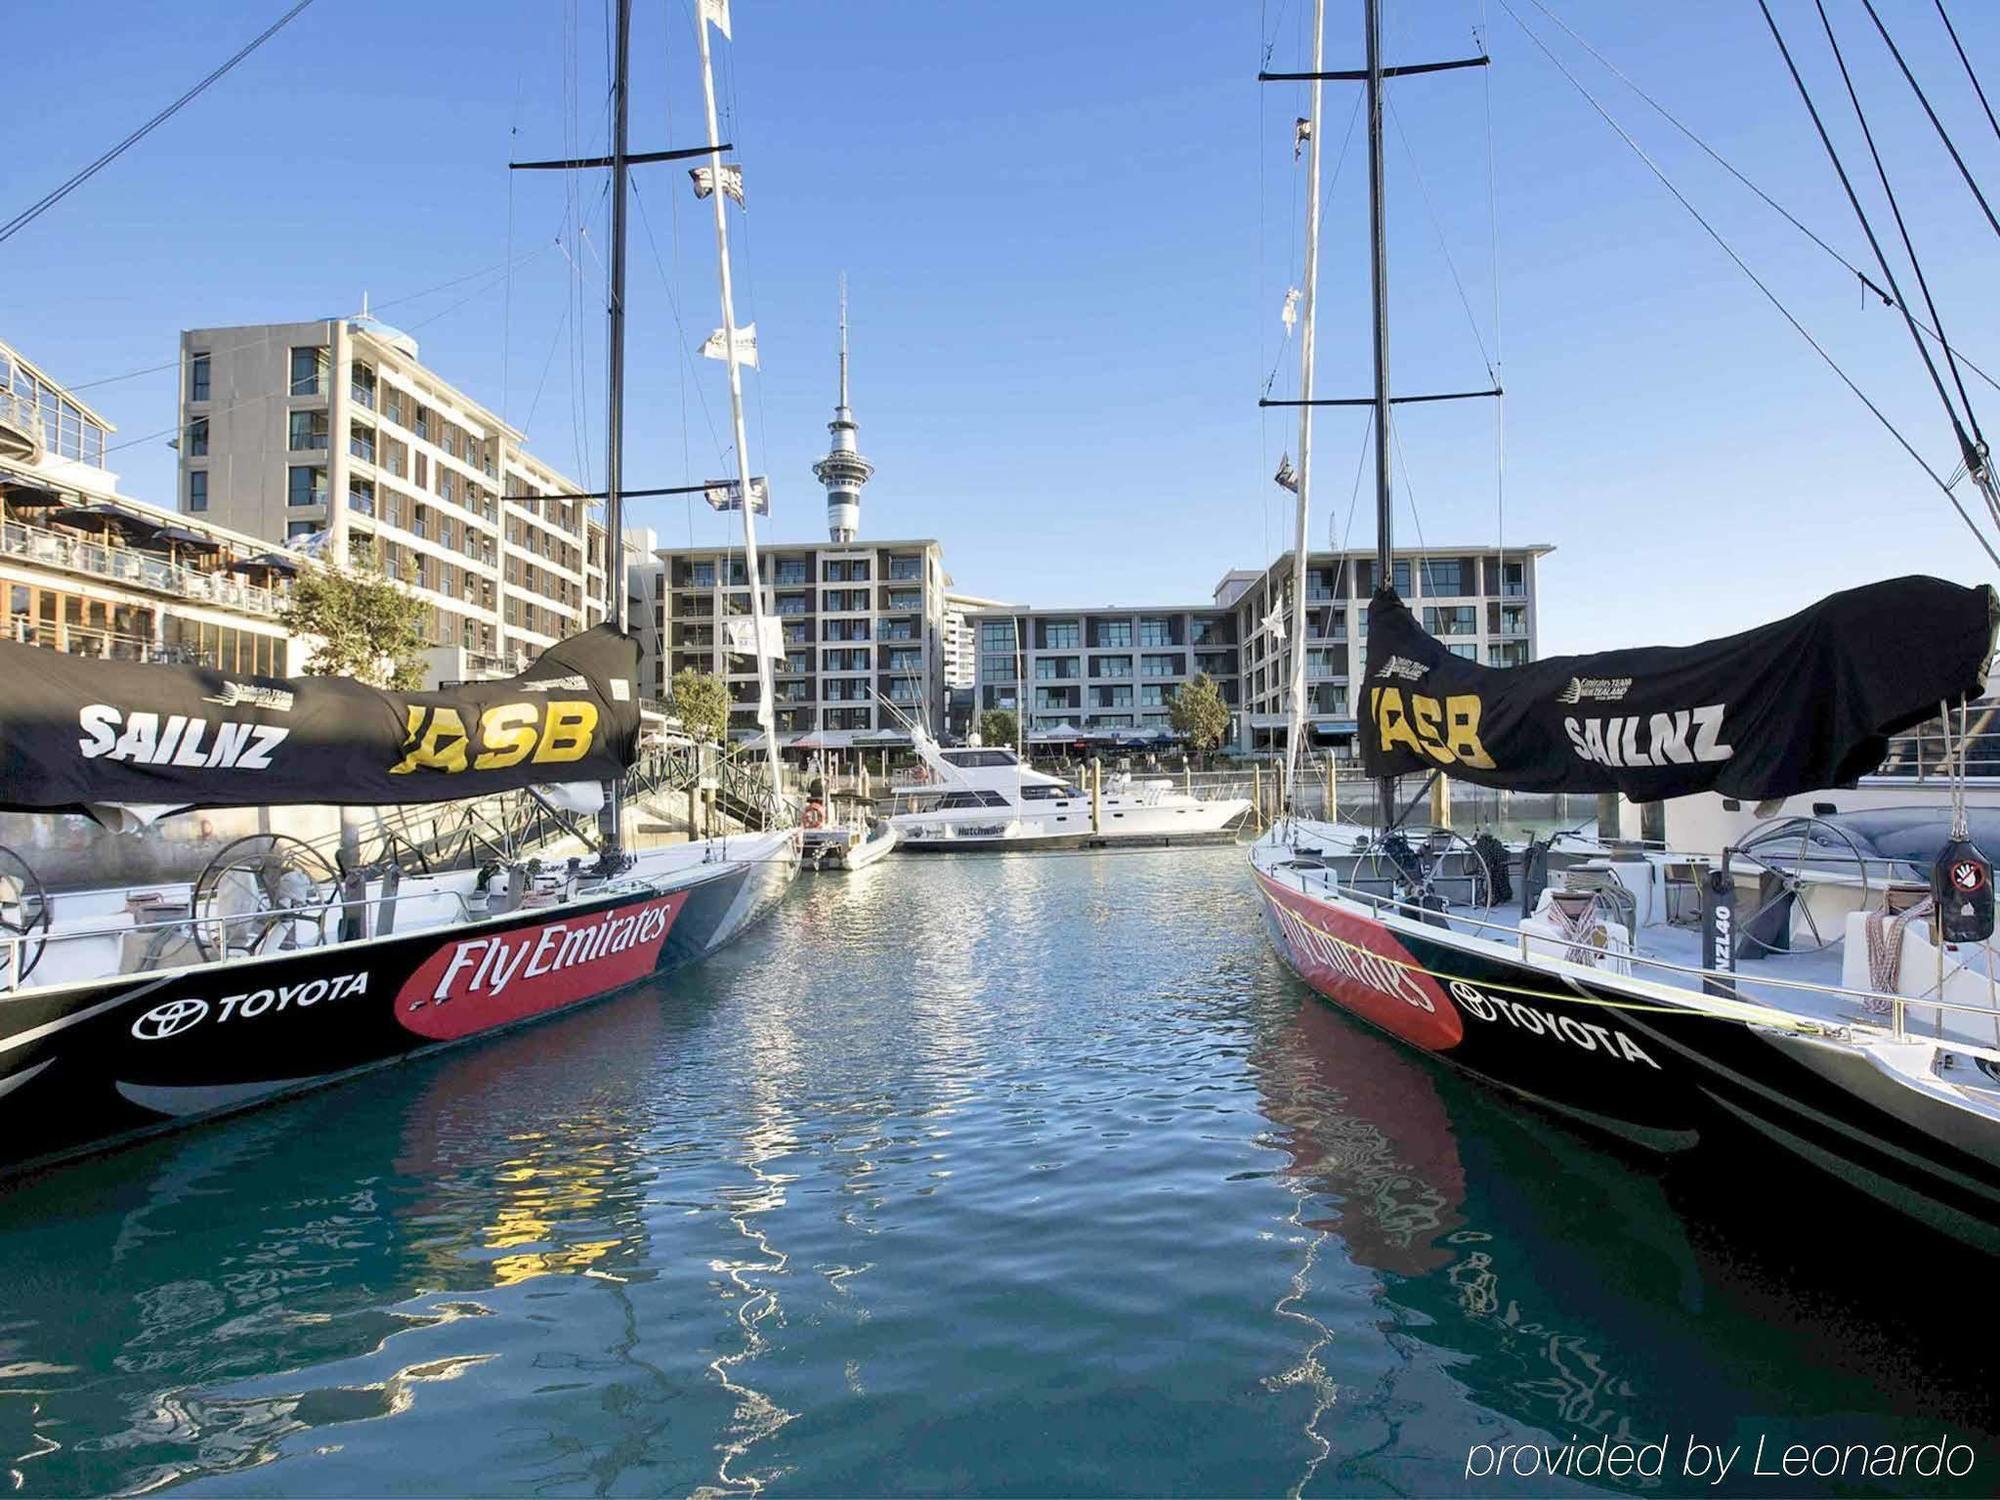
89	1065
1847	1015
126	1013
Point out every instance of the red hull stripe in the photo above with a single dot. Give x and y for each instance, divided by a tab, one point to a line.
475	984
1359	965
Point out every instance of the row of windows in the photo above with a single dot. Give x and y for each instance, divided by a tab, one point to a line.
64	427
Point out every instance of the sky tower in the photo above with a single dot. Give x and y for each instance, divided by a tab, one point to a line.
843	471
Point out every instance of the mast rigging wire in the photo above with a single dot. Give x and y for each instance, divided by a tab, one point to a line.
1902	229
1886	297
83	174
1952	32
1758	282
1936	124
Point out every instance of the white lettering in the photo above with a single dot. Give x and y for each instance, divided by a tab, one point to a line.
265	740
100	729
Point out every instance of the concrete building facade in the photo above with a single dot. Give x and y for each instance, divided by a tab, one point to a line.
858	620
332	434
1115	669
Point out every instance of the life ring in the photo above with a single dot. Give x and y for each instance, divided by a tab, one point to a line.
813	816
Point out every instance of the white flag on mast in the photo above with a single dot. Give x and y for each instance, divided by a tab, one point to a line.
740	637
732	182
716	14
1274	622
1290	315
717	345
727	494
1287	476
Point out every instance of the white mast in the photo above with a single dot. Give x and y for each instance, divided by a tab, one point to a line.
1295	729
703	14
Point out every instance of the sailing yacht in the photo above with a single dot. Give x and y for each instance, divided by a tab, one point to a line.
125	1013
1784	983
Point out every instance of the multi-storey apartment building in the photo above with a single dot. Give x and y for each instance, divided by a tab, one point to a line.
961	671
1101	669
88	570
859	619
1116	669
334	433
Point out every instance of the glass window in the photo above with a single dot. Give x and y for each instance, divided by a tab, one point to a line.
1159	666
197	438
197	377
305	485
1446	578
1058	634
197	493
1155	633
997	668
1454	619
996	635
1113	633
309	371
305	430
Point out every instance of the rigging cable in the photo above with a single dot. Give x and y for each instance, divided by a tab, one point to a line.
1952	32
1758	282
1482	36
1936	124
82	175
1887	298
1902	229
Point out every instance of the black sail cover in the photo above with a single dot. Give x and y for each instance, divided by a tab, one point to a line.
1795	706
76	731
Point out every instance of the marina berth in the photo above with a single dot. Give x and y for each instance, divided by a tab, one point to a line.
984	798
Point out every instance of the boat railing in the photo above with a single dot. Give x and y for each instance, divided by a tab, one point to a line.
1701	996
216	929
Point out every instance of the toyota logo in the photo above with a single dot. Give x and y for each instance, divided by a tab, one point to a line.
163	1021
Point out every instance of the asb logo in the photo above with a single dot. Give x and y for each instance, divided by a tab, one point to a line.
170	1019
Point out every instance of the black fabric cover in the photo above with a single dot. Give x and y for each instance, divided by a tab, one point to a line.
76	731
1805	703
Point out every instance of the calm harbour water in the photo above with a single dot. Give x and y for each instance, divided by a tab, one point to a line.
1021	1175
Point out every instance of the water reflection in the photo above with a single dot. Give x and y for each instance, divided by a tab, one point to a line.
1585	1292
1003	1175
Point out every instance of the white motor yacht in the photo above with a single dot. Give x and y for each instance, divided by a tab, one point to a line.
983	797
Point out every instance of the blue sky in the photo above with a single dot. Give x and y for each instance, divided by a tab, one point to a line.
1067	230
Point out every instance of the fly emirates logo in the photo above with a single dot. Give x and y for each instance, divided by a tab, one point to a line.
481	982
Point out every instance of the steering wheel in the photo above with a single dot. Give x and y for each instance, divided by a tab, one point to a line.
1439	863
260	894
1767	848
24	910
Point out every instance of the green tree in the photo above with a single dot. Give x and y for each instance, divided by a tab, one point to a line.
366	625
700	700
998	726
1199	714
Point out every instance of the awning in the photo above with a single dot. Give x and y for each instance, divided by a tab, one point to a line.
101	518
272	562
23	496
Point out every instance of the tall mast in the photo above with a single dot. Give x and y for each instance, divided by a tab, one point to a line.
1378	257
1295	728
610	821
765	722
615	605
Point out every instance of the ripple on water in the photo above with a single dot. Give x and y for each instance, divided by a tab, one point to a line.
1016	1175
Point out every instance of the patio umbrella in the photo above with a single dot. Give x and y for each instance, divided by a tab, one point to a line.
31	497
179	538
101	518
270	562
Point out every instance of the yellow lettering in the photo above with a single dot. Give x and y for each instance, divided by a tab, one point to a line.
508	732
1392	726
1461	713
1426	712
566	732
439	747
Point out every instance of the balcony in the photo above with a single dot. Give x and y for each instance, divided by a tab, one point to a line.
136	569
362	395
